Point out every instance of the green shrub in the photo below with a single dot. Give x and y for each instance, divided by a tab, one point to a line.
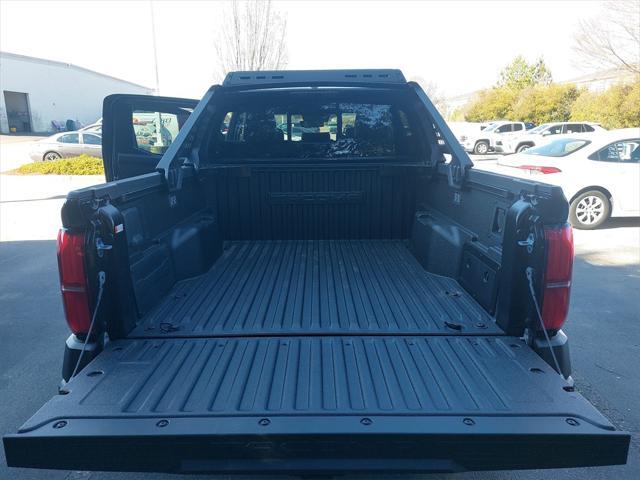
82	165
545	103
525	92
616	107
492	104
499	102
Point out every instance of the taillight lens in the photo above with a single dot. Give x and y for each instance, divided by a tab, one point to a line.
539	169
73	281
557	277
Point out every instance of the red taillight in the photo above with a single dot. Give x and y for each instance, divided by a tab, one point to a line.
557	277
73	281
539	169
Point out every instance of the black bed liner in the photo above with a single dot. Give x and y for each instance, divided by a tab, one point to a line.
317	357
317	404
317	287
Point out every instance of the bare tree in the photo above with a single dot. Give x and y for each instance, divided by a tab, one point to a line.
252	36
612	39
434	93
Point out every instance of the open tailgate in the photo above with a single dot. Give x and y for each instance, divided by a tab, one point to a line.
317	405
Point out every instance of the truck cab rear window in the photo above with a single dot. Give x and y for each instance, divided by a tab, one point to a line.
155	131
328	130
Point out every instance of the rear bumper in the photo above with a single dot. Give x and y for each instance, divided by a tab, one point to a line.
559	343
319	444
72	349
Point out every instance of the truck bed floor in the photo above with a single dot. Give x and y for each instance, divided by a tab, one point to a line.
347	375
316	287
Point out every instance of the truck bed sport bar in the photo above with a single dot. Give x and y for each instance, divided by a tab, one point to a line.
456	169
460	162
386	76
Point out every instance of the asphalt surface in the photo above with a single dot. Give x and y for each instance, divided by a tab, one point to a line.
603	326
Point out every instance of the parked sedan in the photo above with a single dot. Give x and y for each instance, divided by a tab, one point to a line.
67	144
599	173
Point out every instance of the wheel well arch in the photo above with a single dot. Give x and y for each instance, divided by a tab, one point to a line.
525	142
592	187
481	140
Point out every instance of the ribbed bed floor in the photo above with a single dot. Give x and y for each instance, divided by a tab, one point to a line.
316	287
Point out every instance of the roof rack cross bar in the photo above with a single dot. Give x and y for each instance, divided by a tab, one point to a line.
385	76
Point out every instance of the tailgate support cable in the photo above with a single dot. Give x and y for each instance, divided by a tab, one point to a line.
101	279
539	315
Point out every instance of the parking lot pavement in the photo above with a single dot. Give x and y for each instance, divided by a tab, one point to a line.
603	326
14	151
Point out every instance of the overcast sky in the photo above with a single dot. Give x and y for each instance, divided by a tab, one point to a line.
459	45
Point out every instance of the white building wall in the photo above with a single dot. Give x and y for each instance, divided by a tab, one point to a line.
57	91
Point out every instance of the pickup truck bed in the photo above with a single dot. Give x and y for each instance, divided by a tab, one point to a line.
347	339
316	287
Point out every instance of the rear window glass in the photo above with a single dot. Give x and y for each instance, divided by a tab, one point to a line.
91	139
557	148
69	138
622	151
156	131
314	130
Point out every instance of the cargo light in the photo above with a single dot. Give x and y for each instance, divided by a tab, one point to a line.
557	276
73	280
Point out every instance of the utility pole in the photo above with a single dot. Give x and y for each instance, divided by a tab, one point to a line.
155	49
158	119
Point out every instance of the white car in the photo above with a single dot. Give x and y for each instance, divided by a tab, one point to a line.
599	173
490	138
544	134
